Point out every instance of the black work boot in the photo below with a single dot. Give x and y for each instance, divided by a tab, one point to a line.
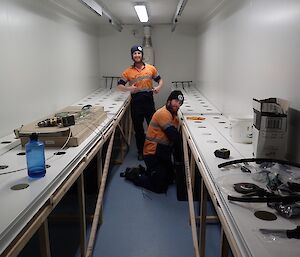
131	174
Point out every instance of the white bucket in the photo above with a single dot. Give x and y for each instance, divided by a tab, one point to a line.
241	129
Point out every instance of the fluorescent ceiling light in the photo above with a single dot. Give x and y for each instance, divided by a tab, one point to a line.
93	5
99	8
180	6
141	12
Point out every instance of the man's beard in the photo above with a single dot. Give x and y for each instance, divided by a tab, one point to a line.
171	109
140	60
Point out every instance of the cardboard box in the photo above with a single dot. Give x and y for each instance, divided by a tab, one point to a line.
271	105
270	128
86	121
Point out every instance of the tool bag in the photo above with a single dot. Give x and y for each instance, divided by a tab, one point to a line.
131	173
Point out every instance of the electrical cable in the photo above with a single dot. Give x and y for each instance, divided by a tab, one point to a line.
10	149
267	199
145	195
284	162
12	171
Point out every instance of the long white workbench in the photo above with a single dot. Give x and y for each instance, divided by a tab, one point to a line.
18	207
238	222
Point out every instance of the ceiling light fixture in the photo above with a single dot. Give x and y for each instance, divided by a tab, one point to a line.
179	10
93	5
141	12
99	8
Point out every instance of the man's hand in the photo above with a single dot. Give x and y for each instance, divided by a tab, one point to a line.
133	89
156	90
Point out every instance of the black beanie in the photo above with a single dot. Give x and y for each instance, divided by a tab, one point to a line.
136	48
176	94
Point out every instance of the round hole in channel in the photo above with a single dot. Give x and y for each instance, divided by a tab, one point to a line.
21	153
19	186
265	215
5	142
60	153
206	134
48	166
201	127
2	167
212	141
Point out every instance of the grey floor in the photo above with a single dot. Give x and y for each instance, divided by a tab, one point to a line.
136	223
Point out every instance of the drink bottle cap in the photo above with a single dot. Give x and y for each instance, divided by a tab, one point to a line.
34	136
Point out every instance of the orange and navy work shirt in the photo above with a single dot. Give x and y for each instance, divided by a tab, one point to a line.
161	120
142	79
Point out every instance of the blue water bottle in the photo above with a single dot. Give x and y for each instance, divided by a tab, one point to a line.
35	157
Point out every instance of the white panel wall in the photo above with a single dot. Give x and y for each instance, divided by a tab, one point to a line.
174	53
251	49
47	61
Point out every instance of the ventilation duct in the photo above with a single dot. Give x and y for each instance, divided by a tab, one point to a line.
147	46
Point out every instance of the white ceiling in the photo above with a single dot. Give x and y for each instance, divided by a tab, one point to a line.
160	11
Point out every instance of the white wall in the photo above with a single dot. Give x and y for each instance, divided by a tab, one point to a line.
174	53
250	48
47	61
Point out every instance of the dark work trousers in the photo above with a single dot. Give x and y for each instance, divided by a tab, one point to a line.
142	107
159	174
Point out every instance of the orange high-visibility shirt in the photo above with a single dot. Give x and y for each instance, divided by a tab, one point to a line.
161	120
142	79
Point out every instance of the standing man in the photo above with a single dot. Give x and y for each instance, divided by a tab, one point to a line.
162	140
139	76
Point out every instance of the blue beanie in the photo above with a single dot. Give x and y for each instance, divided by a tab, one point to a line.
136	48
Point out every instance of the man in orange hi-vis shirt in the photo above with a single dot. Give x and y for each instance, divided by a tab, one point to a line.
139	76
162	141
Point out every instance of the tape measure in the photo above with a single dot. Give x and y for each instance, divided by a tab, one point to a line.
222	153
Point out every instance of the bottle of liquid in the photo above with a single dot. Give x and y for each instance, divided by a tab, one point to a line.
35	157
